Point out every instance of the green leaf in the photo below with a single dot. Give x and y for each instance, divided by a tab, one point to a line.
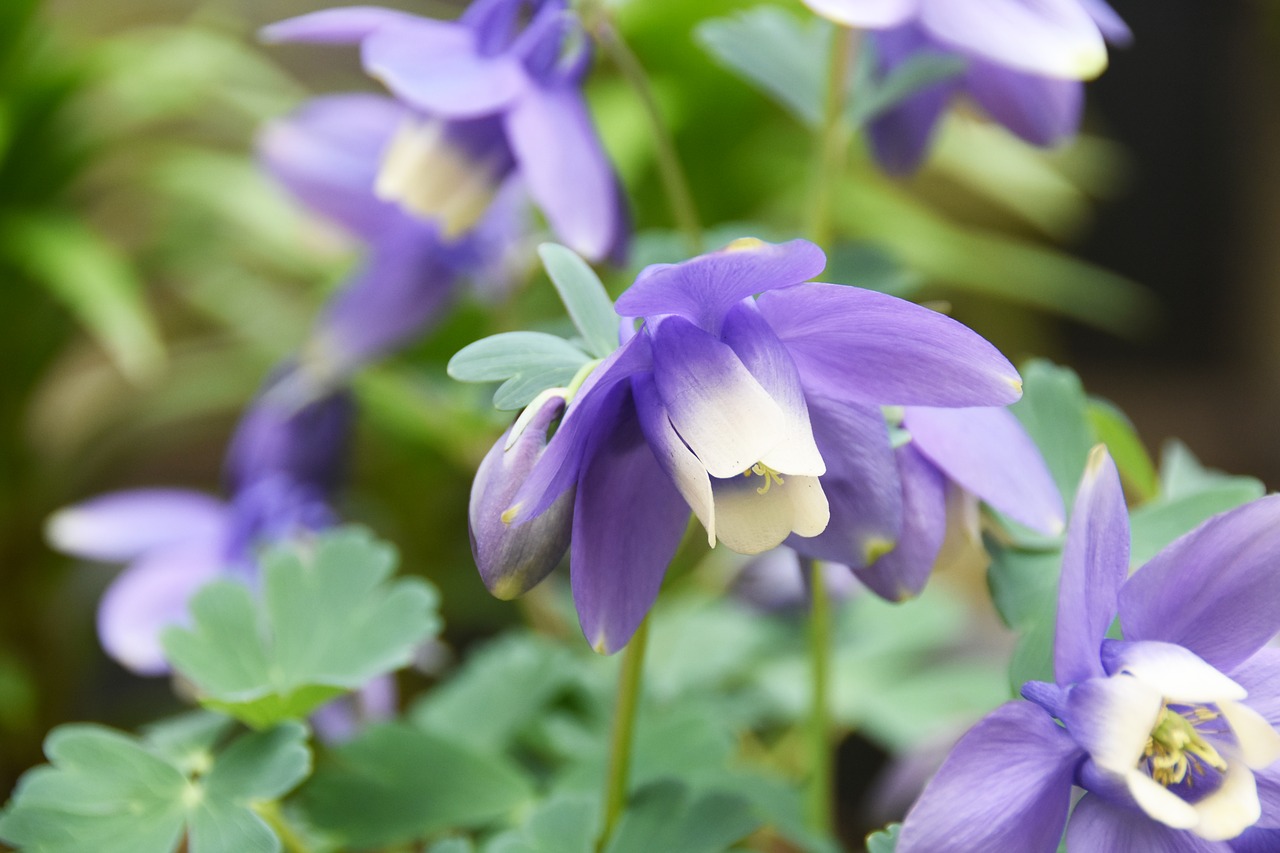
1116	431
782	55
584	297
453	845
188	740
530	362
94	280
328	622
916	74
107	792
1054	412
1157	524
1181	474
396	783
666	815
1024	584
884	841
872	267
566	823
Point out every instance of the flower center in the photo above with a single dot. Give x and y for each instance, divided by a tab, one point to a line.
770	476
1176	752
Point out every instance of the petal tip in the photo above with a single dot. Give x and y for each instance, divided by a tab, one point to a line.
876	547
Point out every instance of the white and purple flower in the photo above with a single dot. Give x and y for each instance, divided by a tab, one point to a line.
1170	731
762	415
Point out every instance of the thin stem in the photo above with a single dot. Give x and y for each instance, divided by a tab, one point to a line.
675	183
833	139
821	777
290	839
624	719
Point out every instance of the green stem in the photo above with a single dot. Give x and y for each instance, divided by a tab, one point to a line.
821	777
675	183
624	719
273	814
833	139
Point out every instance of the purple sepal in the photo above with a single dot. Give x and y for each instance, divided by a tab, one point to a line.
903	572
1101	826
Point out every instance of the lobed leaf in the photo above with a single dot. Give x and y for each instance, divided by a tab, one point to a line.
530	362
584	297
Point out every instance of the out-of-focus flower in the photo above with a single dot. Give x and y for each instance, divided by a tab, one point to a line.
762	415
283	465
345	717
776	582
512	559
485	98
1064	39
1170	731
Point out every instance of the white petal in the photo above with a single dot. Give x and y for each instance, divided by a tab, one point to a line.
1159	802
750	522
1112	719
1259	742
1181	676
687	471
1231	809
865	14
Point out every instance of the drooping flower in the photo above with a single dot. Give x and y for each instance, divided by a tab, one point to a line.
284	463
1171	731
485	98
762	415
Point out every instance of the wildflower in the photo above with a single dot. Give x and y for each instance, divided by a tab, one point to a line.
761	415
484	99
1170	731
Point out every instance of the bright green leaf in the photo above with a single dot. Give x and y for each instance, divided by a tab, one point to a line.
396	783
584	297
530	362
667	815
1054	412
1116	431
782	55
107	792
328	622
884	841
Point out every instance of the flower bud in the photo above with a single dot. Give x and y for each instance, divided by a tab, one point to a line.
514	558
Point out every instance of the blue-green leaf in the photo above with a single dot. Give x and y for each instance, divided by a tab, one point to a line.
584	297
667	815
529	362
328	622
566	823
911	77
884	841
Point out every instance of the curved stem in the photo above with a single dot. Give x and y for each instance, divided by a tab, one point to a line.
624	719
833	139
820	794
675	183
290	840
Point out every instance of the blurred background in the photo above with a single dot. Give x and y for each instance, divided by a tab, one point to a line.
150	278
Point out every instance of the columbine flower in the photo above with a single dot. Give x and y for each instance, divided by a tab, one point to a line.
1050	38
327	154
1170	731
283	464
762	415
487	98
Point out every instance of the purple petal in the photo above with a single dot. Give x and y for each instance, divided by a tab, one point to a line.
1256	841
327	154
705	288
861	485
562	161
866	347
628	521
903	572
1095	563
1113	27
1056	38
435	67
900	136
123	526
1040	110
1213	590
1268	782
1260	676
865	14
591	415
1098	825
347	25
1005	786
148	597
990	455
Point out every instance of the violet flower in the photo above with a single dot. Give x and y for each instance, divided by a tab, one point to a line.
486	98
282	467
1170	731
762	415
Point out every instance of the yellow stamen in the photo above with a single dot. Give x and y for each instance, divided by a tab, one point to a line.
770	476
1175	748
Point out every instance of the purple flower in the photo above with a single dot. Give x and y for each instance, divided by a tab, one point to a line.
327	154
283	464
485	98
1050	38
762	415
1170	731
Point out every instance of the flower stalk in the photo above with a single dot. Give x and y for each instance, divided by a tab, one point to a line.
624	719
291	841
819	795
833	137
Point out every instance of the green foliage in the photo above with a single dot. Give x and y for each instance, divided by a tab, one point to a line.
327	623
565	823
527	363
107	792
668	815
884	841
911	77
395	783
1114	429
584	297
